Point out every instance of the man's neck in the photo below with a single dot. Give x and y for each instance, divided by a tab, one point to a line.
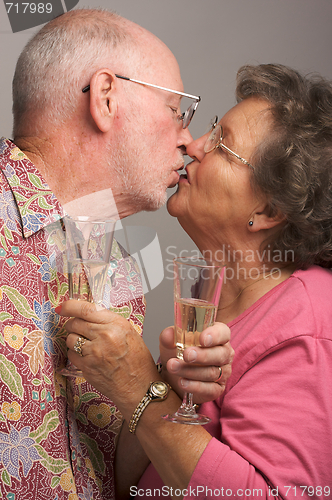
72	176
49	161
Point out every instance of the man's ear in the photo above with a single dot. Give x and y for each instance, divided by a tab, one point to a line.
262	219
103	98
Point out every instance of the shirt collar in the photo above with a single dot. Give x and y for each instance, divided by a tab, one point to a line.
37	205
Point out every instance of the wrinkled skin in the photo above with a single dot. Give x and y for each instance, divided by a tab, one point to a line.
118	363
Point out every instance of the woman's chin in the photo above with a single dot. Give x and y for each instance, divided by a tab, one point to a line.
172	205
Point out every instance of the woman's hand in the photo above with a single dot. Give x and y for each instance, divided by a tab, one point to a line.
200	371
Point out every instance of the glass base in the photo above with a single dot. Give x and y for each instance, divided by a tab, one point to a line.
182	419
186	414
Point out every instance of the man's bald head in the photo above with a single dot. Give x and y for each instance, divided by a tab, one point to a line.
61	58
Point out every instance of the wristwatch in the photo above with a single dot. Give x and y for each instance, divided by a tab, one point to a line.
158	391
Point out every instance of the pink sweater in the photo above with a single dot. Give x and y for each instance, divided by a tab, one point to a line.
272	427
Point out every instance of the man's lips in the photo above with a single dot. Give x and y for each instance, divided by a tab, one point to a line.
183	176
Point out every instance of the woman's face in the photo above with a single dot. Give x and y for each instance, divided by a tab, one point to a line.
216	195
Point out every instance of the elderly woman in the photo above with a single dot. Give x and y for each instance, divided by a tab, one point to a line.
258	197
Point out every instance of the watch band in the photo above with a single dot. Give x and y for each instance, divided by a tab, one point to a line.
138	413
143	404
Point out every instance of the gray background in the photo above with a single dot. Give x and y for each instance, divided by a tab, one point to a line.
211	39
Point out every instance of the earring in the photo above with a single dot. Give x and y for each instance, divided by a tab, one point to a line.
251	223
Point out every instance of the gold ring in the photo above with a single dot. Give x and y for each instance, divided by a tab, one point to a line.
220	374
78	345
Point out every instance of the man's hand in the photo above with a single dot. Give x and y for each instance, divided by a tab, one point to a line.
113	356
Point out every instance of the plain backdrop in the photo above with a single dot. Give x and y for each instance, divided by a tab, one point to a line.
211	39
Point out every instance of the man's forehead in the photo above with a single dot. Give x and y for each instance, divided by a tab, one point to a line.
158	64
164	71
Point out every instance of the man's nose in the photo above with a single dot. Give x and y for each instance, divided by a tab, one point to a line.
186	137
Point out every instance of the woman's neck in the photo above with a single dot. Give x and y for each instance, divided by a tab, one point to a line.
240	292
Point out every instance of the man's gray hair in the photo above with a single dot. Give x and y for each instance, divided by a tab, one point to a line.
59	61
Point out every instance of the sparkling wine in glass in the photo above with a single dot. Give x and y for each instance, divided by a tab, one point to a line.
197	288
88	249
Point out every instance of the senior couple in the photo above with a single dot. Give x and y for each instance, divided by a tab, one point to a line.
260	180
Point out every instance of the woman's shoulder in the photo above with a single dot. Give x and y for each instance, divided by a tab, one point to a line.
305	300
299	306
314	287
314	276
296	314
316	283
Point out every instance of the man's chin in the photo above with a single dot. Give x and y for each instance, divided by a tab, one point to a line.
155	203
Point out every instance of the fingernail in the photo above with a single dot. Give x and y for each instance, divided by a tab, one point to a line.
184	383
208	340
192	356
176	365
58	309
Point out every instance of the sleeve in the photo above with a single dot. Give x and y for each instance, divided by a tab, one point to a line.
276	428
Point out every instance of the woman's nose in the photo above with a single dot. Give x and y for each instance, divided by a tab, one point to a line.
196	148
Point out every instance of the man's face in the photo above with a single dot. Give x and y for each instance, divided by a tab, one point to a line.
152	141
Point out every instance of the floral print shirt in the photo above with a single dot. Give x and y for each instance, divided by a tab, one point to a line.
57	434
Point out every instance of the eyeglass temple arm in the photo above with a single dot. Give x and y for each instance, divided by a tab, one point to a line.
221	145
197	98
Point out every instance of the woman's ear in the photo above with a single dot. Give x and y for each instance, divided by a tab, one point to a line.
262	219
103	98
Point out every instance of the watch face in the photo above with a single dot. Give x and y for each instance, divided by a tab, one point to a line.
159	389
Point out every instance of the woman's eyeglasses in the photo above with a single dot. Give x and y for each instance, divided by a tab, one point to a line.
215	141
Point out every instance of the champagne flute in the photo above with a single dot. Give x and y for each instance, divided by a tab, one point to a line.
197	288
88	248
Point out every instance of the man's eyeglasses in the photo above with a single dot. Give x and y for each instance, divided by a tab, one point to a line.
215	141
186	117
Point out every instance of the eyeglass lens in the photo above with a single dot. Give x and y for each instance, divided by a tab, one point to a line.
213	138
188	115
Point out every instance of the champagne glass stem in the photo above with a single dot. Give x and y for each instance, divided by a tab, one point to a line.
187	405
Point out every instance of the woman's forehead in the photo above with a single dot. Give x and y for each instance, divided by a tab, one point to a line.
250	115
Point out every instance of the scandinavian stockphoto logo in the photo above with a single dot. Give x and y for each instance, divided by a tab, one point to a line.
142	243
24	15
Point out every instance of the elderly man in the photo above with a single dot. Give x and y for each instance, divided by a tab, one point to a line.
86	127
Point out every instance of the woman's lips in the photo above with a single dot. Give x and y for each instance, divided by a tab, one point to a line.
185	177
175	182
189	172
